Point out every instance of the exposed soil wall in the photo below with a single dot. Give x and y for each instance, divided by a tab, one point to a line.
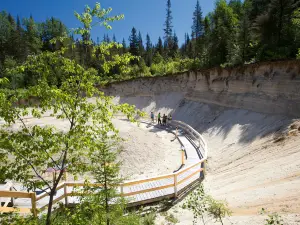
272	87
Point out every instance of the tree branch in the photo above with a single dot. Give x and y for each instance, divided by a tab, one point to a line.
31	135
34	169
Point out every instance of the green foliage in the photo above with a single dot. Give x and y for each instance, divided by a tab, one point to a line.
197	27
61	87
170	218
168	29
217	209
298	55
273	218
149	219
197	202
17	219
203	205
134	48
101	17
236	32
296	17
32	37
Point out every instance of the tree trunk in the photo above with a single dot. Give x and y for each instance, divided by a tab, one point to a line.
106	196
48	221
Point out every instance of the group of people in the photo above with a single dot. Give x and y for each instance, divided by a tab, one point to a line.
161	120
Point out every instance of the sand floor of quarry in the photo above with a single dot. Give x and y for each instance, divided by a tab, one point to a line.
147	151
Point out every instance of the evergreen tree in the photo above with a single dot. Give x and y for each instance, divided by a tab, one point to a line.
237	7
259	7
168	28
50	29
114	38
274	30
245	34
175	45
149	52
141	45
124	48
189	46
224	34
134	43
159	46
33	40
197	27
19	41
11	44
5	37
106	38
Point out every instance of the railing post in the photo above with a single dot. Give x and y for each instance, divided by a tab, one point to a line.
66	194
12	199
175	185
33	204
182	156
122	191
66	189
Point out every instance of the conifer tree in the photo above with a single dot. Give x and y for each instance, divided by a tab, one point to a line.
159	46
141	45
124	48
33	40
168	28
197	27
12	49
148	51
134	43
175	45
114	38
19	41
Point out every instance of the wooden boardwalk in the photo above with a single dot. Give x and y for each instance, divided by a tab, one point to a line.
137	192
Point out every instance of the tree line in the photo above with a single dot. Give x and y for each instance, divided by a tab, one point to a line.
234	33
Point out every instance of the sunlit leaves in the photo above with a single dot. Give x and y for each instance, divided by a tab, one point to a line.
94	17
76	131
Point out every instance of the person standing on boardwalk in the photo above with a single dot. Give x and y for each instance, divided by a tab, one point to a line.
152	117
159	119
164	120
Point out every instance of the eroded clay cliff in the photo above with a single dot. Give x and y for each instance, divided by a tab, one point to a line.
271	87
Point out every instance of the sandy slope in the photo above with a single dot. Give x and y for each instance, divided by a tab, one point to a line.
147	151
245	166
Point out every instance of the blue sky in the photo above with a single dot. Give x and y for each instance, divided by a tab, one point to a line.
148	16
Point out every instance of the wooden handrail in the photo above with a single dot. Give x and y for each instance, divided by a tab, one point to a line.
17	210
147	190
191	175
46	194
190	167
147	180
15	194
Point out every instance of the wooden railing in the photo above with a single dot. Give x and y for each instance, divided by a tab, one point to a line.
137	192
202	145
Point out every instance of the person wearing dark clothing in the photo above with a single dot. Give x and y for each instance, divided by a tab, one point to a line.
159	119
164	120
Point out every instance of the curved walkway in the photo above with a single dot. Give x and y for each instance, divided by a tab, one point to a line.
138	192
